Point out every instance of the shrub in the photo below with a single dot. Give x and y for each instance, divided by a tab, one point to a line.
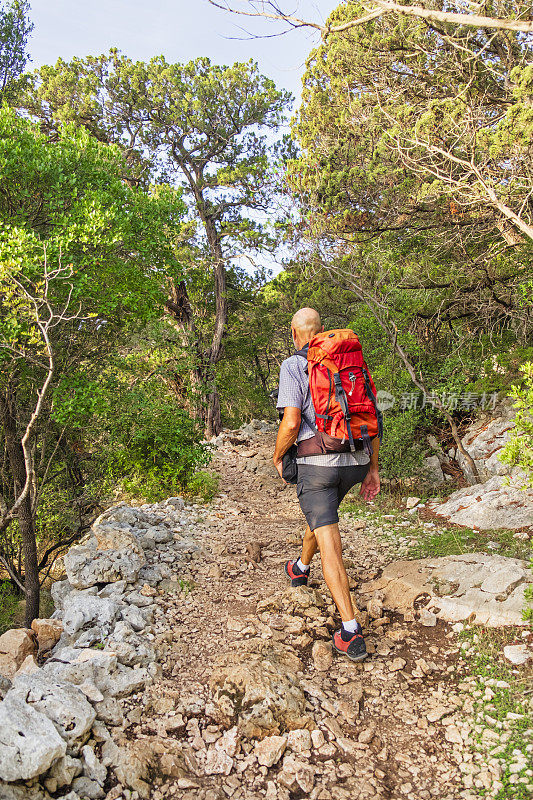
149	445
519	449
402	451
8	605
203	484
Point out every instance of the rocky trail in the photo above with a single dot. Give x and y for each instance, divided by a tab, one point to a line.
180	663
247	651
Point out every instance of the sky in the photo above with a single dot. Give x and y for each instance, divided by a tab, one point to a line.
181	30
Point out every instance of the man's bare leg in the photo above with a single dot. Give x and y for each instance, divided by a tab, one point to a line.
309	546
329	542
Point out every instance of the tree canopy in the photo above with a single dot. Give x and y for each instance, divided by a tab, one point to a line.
15	29
83	258
199	123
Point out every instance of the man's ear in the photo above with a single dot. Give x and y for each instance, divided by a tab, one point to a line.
322	329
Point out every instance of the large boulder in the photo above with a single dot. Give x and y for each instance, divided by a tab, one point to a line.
15	645
83	611
29	741
260	692
495	504
484	440
109	553
97	667
64	704
487	590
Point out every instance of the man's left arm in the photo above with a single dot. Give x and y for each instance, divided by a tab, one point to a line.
371	484
287	435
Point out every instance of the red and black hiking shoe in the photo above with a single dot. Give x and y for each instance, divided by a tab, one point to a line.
298	578
354	648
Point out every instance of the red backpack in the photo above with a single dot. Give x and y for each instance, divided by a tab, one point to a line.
342	390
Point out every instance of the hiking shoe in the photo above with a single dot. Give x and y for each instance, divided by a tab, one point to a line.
298	578
354	648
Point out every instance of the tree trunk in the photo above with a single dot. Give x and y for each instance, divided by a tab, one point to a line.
179	309
214	354
214	419
31	568
25	514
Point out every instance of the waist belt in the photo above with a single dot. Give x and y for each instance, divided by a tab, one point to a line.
322	444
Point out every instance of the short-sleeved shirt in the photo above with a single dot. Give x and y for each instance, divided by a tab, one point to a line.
294	392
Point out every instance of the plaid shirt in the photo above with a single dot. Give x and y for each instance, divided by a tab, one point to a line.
294	392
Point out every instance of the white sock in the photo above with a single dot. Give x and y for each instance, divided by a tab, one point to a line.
301	566
350	626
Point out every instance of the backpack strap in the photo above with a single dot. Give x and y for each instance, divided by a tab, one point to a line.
303	354
372	396
340	394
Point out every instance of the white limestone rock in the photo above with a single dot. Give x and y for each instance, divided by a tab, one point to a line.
485	439
64	770
129	647
64	704
29	741
486	589
99	667
517	653
109	553
84	611
488	506
92	766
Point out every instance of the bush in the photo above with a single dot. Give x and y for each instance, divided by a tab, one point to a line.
518	452
401	454
203	484
9	601
149	445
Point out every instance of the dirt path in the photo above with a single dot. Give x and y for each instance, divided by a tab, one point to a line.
390	727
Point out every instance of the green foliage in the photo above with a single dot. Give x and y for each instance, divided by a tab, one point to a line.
203	484
151	447
527	612
79	243
379	129
15	28
68	197
170	120
444	541
402	451
426	246
8	606
519	449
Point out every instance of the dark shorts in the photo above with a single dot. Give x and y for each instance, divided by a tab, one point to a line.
321	489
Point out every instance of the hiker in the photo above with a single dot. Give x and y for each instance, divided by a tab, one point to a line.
327	465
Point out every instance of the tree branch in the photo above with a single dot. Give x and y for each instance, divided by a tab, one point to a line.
385	7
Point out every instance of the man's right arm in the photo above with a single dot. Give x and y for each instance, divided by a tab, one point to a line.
287	435
290	399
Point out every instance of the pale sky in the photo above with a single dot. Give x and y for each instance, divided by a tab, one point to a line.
181	30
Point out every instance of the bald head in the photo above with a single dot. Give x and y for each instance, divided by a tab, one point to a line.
305	324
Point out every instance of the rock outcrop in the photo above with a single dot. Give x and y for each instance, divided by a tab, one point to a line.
499	501
261	692
94	653
486	590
